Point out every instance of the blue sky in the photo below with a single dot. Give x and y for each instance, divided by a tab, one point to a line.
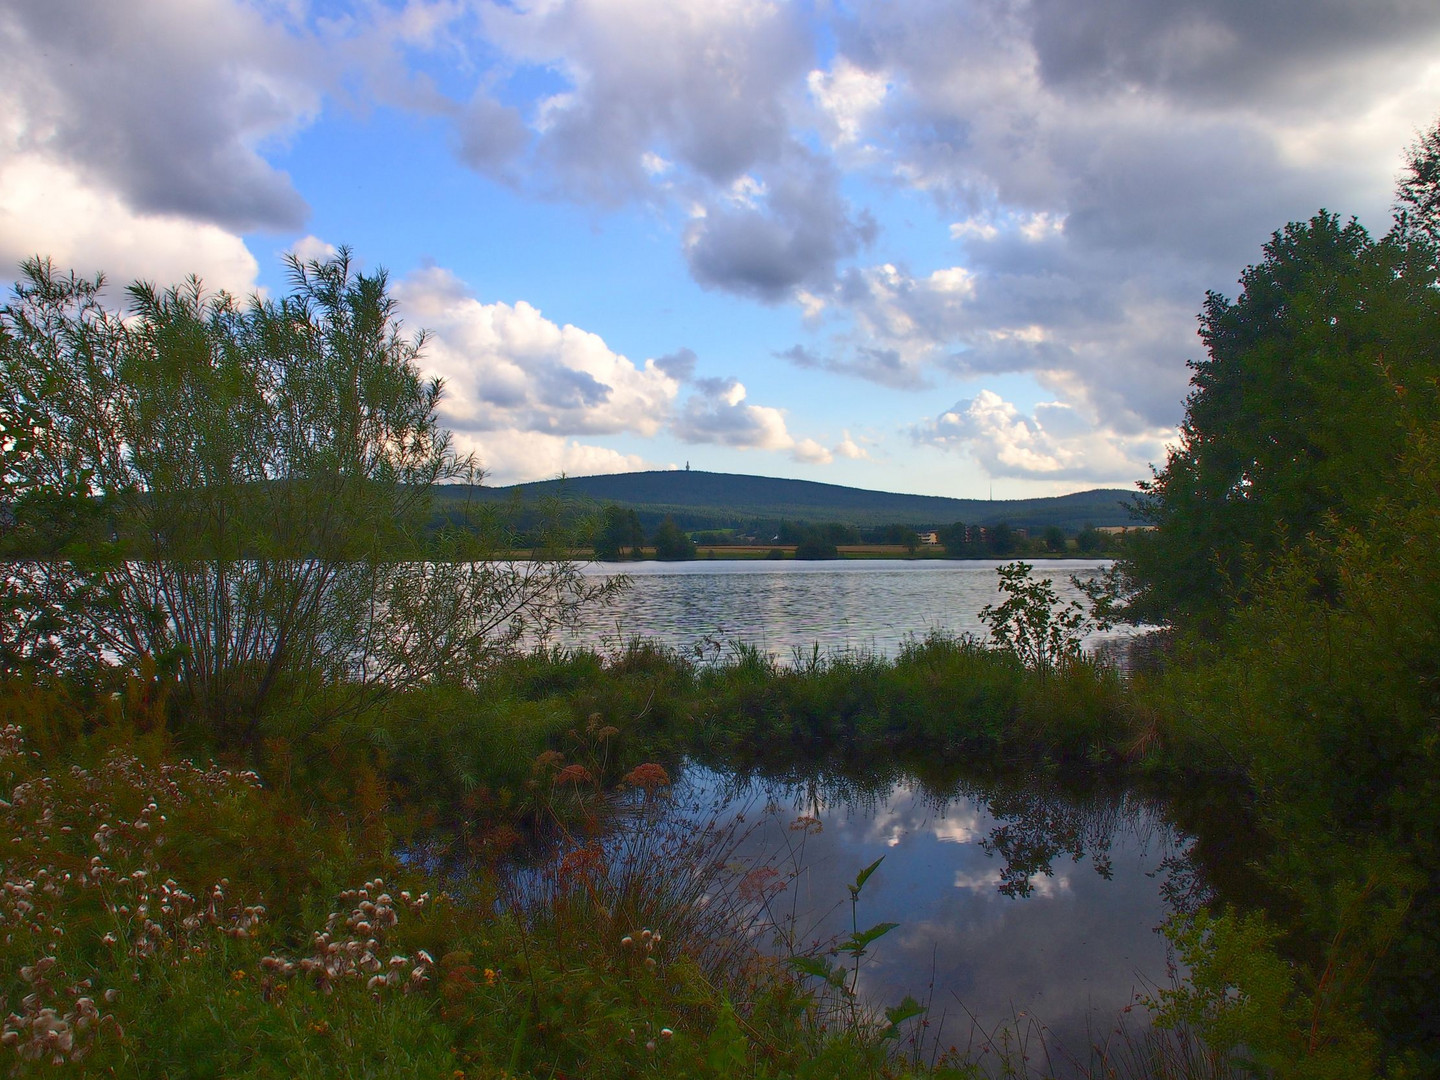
934	246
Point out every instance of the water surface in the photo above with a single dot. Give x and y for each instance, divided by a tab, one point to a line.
1014	899
874	605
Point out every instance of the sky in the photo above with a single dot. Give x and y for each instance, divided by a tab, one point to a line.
949	247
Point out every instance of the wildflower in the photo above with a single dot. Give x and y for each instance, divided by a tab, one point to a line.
574	774
491	976
647	777
666	1033
239	975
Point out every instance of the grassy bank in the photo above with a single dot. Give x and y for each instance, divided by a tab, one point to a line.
274	914
335	897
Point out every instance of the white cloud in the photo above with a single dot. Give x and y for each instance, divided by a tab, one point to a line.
507	367
313	249
512	456
849	448
1058	441
848	96
717	412
47	210
811	452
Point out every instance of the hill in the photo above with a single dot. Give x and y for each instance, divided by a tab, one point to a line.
708	500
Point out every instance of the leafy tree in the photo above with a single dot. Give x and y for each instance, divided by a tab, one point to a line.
1417	196
816	542
953	538
1054	538
1003	540
671	542
266	471
620	535
1032	624
1295	417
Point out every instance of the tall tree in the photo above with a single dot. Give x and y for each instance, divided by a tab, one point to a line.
1296	416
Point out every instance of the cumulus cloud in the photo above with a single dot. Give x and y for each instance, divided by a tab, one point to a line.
508	368
514	456
1057	442
1105	164
717	412
850	449
47	210
1225	50
164	103
698	82
778	239
847	96
679	365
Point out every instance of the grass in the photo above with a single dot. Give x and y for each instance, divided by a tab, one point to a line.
214	919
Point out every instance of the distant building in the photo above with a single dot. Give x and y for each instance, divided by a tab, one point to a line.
929	538
1121	530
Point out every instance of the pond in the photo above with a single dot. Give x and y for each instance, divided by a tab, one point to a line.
702	608
1018	902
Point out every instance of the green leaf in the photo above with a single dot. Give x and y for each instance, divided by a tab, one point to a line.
855	946
817	966
864	875
907	1008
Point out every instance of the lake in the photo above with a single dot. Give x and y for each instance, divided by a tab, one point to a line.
781	607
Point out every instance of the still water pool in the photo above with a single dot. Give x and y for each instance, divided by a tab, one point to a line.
1018	902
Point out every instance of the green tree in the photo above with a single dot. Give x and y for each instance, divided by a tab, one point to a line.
953	538
1003	540
1295	417
267	468
671	542
619	536
1032	623
1417	196
1054	538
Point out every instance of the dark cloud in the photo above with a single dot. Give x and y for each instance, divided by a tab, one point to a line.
679	365
166	110
490	136
561	388
766	244
1225	50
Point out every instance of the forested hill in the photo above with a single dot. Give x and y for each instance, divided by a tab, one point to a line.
700	500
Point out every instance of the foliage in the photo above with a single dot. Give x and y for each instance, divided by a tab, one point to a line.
1243	996
1294	420
671	542
619	535
1417	196
263	473
1032	624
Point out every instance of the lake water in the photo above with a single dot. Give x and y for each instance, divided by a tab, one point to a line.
1017	903
873	605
